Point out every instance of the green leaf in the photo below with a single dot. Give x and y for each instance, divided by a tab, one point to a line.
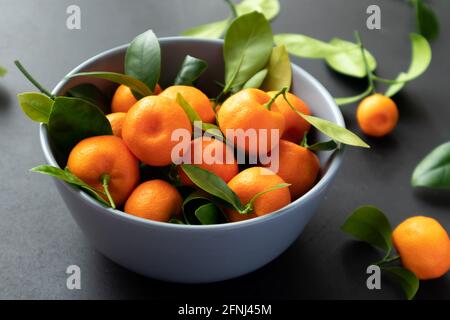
304	46
212	184
427	22
323	146
269	8
434	170
370	225
192	202
36	106
191	69
90	92
134	84
247	48
208	214
143	59
407	280
420	60
74	119
349	100
257	80
69	177
349	60
212	30
2	71
335	132
188	109
213	131
280	71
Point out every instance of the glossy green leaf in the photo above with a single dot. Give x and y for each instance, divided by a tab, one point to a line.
36	106
257	80
2	71
349	100
213	131
304	46
427	22
91	93
269	8
74	119
280	70
209	214
434	170
188	109
191	69
247	48
407	280
370	225
134	84
212	184
323	146
69	177
420	60
349	60
334	131
143	59
212	30
192	202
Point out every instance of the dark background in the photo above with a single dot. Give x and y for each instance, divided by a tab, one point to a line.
39	239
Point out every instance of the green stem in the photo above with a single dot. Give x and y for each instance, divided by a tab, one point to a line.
249	206
105	182
387	81
232	7
32	80
281	92
366	64
387	260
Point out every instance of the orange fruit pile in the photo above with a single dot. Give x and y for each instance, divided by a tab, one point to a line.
143	137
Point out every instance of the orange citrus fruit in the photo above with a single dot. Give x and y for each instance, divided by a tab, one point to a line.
148	128
377	115
245	110
116	120
298	166
197	99
154	200
423	246
295	125
124	99
210	154
94	157
251	181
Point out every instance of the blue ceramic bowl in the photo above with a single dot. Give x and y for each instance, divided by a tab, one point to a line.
195	254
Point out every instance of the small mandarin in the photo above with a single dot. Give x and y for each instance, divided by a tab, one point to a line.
423	246
251	181
295	125
245	111
377	115
154	200
298	166
148	128
93	157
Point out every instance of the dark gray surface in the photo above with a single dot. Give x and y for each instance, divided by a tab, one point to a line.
39	239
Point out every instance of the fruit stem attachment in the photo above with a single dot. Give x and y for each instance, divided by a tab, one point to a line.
281	92
366	64
105	182
32	80
249	206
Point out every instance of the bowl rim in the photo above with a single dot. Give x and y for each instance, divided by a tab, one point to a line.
335	159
